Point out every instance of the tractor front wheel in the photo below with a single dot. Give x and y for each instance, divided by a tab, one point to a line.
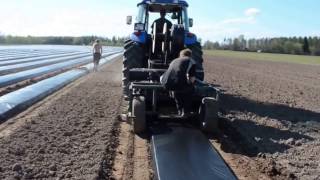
197	57
132	58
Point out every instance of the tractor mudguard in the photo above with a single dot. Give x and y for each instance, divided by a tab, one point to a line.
189	40
141	38
203	89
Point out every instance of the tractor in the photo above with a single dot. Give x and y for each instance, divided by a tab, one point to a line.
147	55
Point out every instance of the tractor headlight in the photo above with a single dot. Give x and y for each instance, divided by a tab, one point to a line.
139	26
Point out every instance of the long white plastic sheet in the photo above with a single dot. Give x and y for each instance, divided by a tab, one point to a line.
18	100
25	52
30	61
41	63
27	55
32	73
18	61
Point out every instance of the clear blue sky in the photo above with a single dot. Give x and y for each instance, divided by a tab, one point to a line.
213	19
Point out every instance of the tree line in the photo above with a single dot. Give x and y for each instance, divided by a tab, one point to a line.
65	40
283	45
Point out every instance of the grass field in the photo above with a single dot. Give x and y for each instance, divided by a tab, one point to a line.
312	60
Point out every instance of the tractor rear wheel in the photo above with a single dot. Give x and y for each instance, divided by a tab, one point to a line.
197	56
209	115
139	114
132	58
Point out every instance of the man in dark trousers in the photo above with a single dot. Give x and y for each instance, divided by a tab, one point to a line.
161	21
180	78
158	26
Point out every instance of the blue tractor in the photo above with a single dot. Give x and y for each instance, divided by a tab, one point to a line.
147	55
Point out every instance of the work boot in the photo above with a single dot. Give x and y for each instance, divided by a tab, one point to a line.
180	112
186	114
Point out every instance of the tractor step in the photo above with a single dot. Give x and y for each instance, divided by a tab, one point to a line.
175	116
185	153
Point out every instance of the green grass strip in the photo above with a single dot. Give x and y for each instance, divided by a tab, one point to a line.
299	59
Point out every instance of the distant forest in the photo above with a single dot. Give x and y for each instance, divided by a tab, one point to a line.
283	45
84	40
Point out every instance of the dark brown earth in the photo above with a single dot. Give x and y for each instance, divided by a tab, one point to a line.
133	156
271	126
72	134
269	130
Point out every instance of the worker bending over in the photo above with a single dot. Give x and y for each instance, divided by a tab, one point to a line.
180	78
97	52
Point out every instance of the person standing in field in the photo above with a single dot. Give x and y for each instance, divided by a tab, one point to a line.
97	52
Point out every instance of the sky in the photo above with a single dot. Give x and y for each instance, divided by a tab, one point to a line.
213	19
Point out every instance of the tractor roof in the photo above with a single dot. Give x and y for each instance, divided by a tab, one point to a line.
166	2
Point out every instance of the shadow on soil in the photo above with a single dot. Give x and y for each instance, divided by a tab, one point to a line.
257	138
275	111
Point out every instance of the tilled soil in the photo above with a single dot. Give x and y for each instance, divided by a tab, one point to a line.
132	158
70	135
272	116
270	128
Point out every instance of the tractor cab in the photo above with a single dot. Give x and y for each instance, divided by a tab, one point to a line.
166	37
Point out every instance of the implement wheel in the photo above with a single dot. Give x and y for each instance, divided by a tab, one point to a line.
209	115
139	113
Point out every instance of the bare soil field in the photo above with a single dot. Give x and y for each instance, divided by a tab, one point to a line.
70	135
271	124
269	127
